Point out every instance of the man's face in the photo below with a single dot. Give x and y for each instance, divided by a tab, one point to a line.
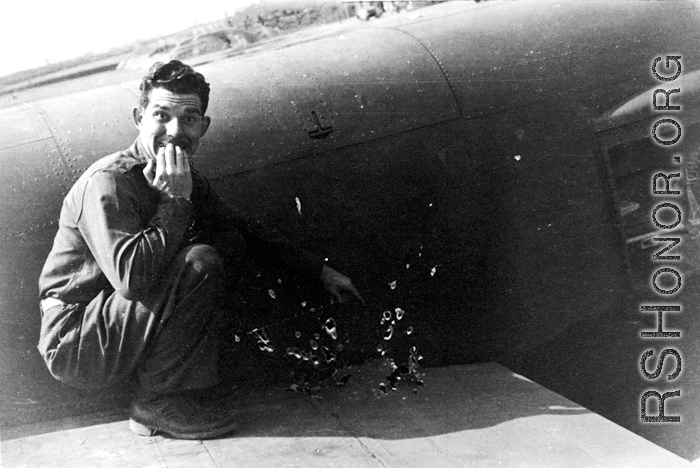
171	117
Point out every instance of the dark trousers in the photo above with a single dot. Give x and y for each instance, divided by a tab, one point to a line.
169	339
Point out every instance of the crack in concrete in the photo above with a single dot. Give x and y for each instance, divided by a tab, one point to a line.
349	431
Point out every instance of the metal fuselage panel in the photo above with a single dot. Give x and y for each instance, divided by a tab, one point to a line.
512	54
361	86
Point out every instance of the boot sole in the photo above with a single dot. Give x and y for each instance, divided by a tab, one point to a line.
146	431
140	429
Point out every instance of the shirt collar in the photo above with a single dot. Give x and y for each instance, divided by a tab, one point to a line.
138	152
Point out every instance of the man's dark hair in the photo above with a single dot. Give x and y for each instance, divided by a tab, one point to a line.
176	77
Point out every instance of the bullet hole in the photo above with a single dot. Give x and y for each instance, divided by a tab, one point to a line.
386	316
388	333
330	328
263	340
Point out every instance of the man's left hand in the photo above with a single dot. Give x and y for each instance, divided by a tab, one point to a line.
339	286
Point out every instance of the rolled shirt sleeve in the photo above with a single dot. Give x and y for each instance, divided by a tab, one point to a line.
131	250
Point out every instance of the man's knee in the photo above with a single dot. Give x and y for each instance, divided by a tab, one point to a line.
231	247
196	266
203	260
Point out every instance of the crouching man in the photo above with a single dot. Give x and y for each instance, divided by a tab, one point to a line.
145	253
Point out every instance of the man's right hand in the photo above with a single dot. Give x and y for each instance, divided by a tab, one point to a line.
170	172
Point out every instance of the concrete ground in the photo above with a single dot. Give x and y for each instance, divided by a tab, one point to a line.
479	415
